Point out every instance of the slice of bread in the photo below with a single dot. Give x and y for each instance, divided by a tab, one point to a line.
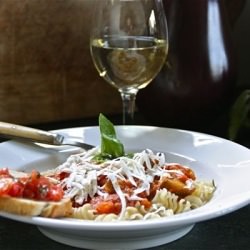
29	207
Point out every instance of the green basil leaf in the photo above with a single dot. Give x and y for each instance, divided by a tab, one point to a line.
110	145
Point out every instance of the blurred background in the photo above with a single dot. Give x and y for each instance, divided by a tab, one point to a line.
46	72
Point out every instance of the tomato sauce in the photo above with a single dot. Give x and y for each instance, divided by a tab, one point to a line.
176	183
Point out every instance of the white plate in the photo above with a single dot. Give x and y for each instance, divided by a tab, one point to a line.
211	157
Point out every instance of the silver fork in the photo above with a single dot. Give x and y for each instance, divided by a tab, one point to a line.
18	132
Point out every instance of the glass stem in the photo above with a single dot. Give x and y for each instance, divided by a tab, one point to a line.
128	103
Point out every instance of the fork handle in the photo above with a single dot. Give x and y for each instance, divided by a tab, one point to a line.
14	131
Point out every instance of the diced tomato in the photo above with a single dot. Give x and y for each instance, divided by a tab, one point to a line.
5	185
16	189
4	173
111	204
55	193
35	187
29	191
40	188
35	175
105	207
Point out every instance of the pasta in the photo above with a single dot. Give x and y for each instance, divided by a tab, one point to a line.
203	192
132	213
171	201
84	212
106	217
140	187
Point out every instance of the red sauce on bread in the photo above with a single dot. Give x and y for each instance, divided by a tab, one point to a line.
34	186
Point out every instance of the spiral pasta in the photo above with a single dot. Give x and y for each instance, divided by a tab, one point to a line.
171	201
204	190
133	213
85	212
141	187
202	194
106	217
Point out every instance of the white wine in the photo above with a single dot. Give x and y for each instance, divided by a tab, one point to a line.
129	44
128	62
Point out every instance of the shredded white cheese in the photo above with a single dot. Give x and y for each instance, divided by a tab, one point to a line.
83	174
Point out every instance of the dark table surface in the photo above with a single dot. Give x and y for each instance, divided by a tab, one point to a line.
228	232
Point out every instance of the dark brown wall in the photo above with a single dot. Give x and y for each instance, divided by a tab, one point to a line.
46	73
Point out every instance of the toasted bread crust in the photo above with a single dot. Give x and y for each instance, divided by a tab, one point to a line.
28	207
57	209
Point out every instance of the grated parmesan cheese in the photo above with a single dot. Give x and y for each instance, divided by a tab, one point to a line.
81	182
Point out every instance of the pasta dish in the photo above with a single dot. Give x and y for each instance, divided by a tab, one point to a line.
139	186
106	184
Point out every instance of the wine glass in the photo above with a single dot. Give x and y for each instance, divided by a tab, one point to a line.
129	45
